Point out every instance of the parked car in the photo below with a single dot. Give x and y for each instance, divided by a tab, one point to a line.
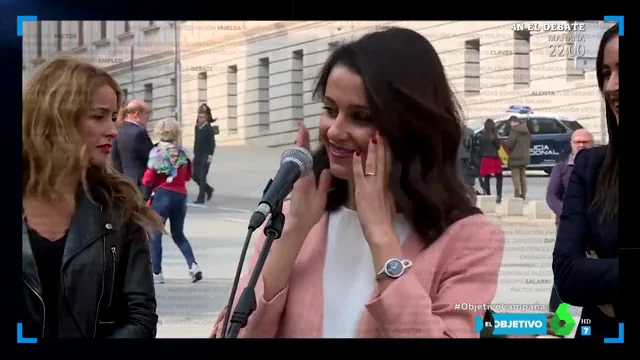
550	135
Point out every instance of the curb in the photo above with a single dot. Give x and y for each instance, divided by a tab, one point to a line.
515	209
522	220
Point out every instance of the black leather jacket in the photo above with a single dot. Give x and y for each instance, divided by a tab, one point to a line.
107	288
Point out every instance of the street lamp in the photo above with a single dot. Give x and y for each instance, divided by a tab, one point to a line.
178	73
133	74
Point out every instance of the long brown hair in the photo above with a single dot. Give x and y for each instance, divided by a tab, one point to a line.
420	120
121	116
489	129
606	197
55	99
205	109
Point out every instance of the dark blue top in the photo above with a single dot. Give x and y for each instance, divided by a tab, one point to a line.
581	281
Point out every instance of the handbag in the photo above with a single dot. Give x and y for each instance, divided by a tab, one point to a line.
153	191
149	193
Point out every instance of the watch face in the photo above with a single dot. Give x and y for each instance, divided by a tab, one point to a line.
394	268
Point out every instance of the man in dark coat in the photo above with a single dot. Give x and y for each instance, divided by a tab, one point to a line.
518	144
132	145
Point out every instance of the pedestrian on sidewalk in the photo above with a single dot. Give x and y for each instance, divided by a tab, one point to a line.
559	178
85	252
167	173
132	145
518	144
490	163
203	148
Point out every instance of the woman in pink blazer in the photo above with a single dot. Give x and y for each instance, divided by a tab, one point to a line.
383	241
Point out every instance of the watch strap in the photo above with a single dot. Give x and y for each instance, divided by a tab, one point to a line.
405	265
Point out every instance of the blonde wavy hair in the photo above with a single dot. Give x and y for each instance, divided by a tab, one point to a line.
167	130
55	100
120	118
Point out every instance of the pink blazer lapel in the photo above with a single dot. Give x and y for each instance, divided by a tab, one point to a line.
308	301
308	278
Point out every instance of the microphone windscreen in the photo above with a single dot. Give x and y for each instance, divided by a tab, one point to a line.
300	156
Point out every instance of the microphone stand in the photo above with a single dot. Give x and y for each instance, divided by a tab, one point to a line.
236	280
247	302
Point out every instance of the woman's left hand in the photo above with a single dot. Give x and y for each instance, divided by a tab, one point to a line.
374	202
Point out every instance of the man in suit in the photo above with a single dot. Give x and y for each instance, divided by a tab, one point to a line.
132	145
518	144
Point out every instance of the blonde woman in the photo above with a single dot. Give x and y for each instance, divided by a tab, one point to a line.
167	174
85	254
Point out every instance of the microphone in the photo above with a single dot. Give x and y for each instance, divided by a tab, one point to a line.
295	163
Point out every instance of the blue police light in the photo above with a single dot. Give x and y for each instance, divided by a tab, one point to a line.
520	109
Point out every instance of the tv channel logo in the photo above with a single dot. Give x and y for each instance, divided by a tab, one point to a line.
562	323
514	324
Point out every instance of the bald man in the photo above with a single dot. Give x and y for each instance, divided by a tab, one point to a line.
558	182
580	139
132	145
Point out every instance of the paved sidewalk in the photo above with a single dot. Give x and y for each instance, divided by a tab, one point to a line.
242	171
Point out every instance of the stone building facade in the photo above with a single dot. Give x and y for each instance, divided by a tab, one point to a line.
258	77
110	44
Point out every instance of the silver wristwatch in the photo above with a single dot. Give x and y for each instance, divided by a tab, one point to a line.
394	268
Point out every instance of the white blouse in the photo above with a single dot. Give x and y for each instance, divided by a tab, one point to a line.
349	276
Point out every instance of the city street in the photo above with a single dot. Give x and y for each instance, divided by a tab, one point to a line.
257	79
216	232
